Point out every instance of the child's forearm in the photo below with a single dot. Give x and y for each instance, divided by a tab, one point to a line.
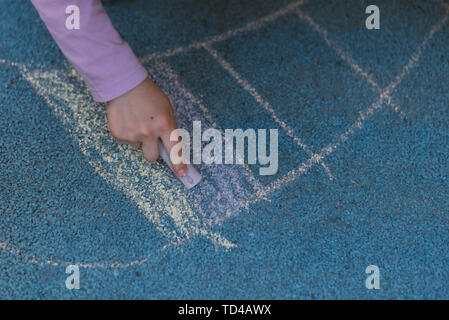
103	59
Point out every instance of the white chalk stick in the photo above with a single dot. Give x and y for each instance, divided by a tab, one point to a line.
192	178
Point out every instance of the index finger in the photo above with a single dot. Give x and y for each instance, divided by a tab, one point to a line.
177	159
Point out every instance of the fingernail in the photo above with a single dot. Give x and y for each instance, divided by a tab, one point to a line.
182	172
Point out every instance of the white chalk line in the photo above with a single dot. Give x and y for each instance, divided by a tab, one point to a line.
384	97
345	56
187	223
264	104
337	48
90	265
251	26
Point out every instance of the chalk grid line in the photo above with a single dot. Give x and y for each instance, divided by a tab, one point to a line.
261	101
384	97
315	158
251	26
345	56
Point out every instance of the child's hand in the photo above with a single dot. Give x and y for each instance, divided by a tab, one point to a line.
140	117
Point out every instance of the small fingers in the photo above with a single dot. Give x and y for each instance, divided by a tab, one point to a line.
179	168
150	149
136	145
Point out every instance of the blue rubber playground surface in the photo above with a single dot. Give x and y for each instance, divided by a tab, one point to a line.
363	121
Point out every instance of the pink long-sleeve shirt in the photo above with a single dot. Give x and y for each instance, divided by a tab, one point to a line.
99	54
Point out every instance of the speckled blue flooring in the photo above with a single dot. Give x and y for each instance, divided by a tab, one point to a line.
380	196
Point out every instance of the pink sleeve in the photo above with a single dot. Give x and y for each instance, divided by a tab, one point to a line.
100	55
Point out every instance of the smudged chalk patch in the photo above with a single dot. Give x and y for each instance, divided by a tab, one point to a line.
226	188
